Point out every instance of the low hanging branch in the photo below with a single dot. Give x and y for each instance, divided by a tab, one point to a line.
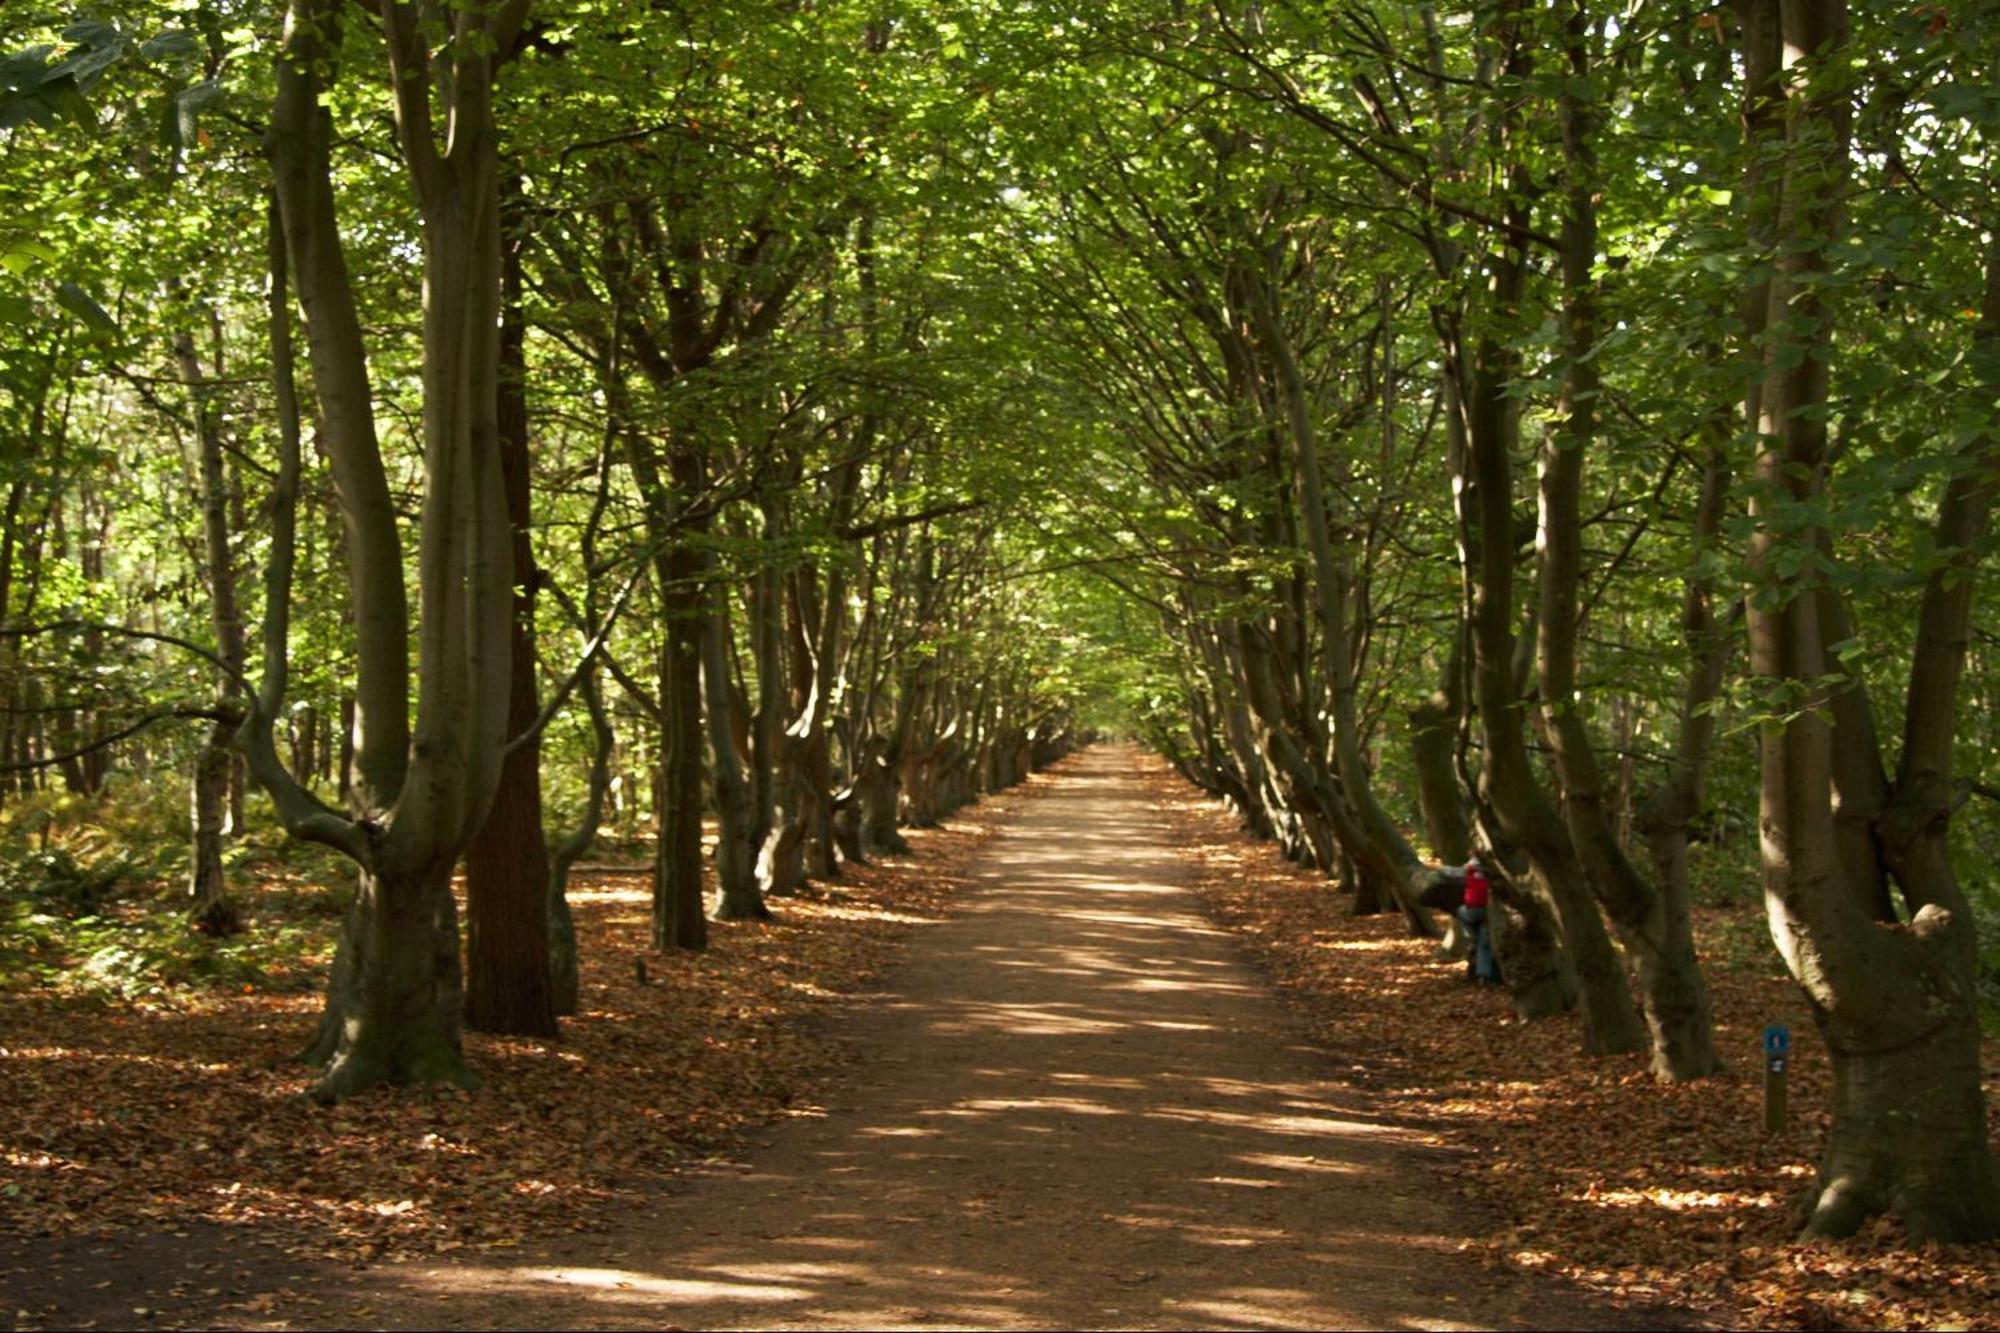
591	650
303	815
77	625
211	713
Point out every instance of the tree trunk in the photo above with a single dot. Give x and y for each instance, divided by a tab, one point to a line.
393	1001
507	866
735	809
921	765
1389	870
814	811
301	155
878	789
803	845
423	790
781	860
1527	940
1484	440
1654	927
780	867
1666	815
1908	1138
506	891
564	972
209	905
680	918
1434	727
1895	1003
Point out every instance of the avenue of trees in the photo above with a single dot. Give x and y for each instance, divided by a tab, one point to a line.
1562	433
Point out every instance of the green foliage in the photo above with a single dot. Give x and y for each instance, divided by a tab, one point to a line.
101	930
1060	208
149	953
135	823
52	882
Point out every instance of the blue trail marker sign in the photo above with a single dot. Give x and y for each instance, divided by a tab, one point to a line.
1777	1053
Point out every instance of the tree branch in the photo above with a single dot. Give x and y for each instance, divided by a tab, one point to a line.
212	713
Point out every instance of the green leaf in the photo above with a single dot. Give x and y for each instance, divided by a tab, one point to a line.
174	42
20	256
63	96
85	307
189	103
25	70
87	67
90	32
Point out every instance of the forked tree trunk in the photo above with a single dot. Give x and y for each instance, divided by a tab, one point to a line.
1909	1136
1651	922
1895	1003
422	791
1483	442
1389	870
394	998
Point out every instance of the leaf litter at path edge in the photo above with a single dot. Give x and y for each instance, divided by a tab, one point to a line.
1588	1169
160	1116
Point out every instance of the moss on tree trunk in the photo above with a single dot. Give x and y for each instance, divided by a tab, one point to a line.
1909	1138
392	1007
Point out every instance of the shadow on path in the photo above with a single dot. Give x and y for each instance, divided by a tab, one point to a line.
1075	1108
1071	1106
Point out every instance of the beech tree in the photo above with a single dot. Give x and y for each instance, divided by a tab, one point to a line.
794	425
1844	838
422	787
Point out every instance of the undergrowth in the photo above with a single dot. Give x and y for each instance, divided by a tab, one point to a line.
91	909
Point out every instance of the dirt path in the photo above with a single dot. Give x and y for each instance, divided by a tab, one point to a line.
1073	1106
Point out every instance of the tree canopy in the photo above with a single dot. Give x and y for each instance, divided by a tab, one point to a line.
1557	435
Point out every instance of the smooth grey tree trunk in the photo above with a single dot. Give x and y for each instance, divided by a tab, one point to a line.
735	808
1894	1002
425	777
209	905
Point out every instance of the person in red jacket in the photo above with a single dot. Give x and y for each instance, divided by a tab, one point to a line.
1481	966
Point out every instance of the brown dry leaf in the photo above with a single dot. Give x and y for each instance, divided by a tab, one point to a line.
159	1117
1589	1169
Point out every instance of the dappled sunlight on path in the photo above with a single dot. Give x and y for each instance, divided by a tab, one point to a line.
1072	1107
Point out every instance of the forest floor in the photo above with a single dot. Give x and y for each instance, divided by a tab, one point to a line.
159	1165
1074	1101
1590	1170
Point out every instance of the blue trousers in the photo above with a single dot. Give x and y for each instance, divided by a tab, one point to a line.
1481	964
